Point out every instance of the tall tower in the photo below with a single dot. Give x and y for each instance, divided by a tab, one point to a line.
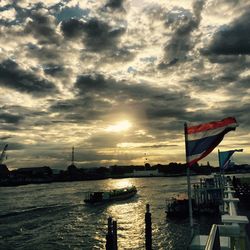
73	156
72	169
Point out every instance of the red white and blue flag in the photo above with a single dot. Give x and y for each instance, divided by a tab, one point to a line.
202	139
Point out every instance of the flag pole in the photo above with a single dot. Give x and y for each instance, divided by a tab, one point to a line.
220	163
189	185
219	159
221	178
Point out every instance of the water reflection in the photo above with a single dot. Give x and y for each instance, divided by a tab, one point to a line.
59	219
130	213
130	219
119	183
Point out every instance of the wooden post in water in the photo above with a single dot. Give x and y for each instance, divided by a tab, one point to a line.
109	236
148	228
115	235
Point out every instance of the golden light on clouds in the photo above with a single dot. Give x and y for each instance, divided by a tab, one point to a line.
119	126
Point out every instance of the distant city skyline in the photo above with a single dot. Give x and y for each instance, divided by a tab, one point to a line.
117	79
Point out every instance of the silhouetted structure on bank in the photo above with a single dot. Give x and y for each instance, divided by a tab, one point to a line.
72	173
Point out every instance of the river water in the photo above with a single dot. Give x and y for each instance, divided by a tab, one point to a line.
54	216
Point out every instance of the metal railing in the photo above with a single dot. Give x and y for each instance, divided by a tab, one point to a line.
234	225
213	241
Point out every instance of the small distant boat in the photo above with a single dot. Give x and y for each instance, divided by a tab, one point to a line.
110	195
177	208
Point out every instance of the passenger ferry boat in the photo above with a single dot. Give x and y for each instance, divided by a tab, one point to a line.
110	195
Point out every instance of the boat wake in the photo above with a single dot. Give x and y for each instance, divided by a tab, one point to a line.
34	210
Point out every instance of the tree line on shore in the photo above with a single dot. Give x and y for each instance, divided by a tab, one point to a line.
72	173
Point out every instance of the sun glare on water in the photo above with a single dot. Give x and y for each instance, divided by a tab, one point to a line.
119	127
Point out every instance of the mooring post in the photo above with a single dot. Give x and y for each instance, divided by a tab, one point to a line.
148	228
109	236
115	235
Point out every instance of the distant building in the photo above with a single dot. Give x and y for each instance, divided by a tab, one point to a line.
4	171
147	172
34	172
144	173
56	171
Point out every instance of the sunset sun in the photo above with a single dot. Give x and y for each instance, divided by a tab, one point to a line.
119	126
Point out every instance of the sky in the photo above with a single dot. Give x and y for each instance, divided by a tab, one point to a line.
117	79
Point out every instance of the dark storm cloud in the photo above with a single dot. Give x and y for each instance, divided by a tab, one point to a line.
59	10
21	13
63	106
97	35
21	110
174	123
43	27
125	92
7	21
12	76
6	7
155	111
224	59
233	73
72	28
83	108
183	23
241	86
48	54
207	83
89	115
53	69
109	87
115	4
204	82
95	82
166	124
230	81
229	77
18	14
9	127
15	114
9	118
240	112
232	39
200	116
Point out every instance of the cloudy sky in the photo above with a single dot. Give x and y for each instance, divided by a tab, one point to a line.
117	79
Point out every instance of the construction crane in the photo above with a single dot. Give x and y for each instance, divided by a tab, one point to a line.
3	154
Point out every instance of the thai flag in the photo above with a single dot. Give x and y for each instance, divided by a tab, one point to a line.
203	138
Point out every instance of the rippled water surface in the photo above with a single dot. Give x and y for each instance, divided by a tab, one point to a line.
54	216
